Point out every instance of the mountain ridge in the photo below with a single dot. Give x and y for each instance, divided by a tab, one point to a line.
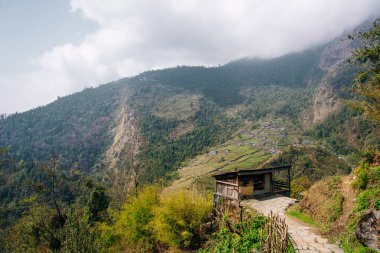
94	131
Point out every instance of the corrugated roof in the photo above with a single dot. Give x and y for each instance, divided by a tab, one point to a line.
253	171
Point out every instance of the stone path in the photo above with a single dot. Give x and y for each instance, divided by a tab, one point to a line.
307	238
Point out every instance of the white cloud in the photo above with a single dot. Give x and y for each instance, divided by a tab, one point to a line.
136	35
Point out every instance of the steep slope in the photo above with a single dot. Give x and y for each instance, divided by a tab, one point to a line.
347	207
74	127
310	161
175	124
120	157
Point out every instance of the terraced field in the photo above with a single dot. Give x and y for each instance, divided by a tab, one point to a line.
248	148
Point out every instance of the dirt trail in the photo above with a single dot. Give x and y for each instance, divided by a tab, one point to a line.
348	203
307	238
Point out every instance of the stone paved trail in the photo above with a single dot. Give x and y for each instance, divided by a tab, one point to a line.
307	238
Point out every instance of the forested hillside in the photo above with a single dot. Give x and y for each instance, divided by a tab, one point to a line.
98	148
224	84
75	127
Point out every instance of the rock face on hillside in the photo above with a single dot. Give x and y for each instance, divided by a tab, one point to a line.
125	144
336	52
368	231
332	60
326	102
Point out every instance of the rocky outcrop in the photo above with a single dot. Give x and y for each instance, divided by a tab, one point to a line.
125	145
336	52
326	102
368	231
333	60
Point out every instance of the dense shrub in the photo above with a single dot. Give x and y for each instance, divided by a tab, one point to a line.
299	185
138	214
133	227
154	220
179	218
226	241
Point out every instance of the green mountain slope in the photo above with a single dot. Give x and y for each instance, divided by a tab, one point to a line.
75	127
78	128
223	84
142	129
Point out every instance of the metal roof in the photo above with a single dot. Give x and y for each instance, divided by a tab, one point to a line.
253	171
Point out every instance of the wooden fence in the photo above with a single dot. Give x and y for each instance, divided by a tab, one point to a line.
281	185
275	237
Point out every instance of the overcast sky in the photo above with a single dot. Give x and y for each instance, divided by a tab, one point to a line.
53	48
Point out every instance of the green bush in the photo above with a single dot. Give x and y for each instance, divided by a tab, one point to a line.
150	221
227	241
137	216
179	218
132	226
362	179
377	204
337	208
97	205
363	201
299	185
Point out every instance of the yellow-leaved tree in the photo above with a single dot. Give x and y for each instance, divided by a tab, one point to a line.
179	218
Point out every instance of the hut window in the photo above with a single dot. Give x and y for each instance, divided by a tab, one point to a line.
245	181
258	182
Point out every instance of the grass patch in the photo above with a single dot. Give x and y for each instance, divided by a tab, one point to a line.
337	207
180	107
302	217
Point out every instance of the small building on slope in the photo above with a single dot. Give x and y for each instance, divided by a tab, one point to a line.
254	183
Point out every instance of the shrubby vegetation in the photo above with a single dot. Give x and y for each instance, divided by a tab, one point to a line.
312	162
180	217
61	216
299	185
246	239
367	81
367	194
366	183
155	221
323	204
364	133
132	226
149	222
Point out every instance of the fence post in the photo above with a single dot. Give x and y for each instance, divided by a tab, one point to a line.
275	238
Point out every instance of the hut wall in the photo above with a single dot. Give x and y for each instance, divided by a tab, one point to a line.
246	186
267	187
227	190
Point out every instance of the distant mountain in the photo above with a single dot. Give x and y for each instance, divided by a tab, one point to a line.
150	124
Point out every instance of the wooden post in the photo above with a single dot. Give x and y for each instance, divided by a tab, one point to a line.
271	182
275	238
289	180
241	212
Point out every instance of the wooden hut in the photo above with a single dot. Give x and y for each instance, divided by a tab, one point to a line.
254	183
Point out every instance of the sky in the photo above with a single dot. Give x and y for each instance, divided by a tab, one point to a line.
51	48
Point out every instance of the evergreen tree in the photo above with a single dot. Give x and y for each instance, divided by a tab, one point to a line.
367	81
